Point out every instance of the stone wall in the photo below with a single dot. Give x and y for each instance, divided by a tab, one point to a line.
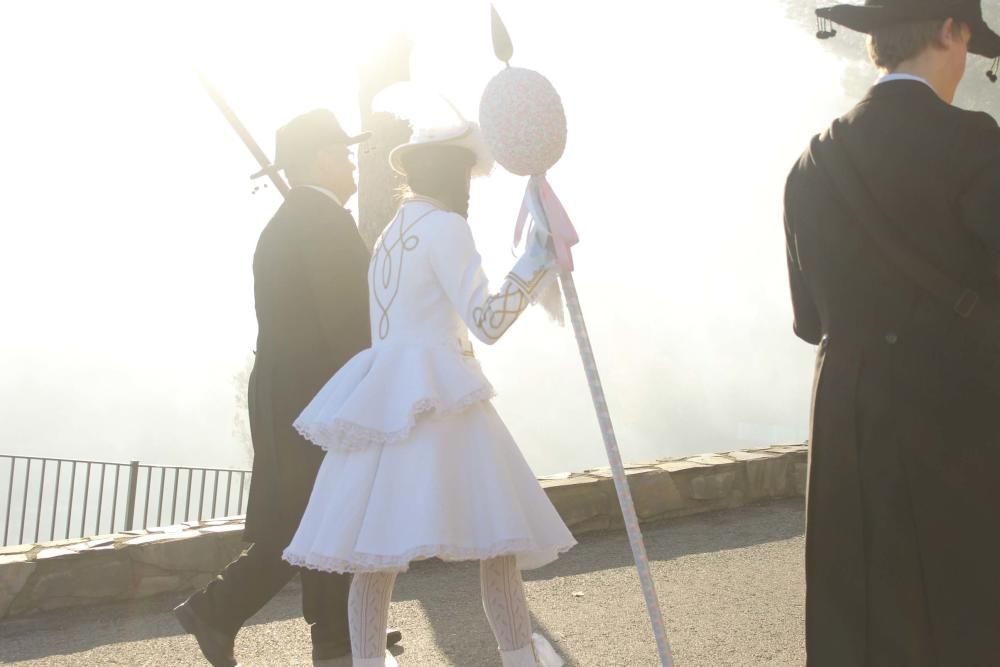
51	575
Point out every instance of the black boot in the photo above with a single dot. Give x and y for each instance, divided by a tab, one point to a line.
216	645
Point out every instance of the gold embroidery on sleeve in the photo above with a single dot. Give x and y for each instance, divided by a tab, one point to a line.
500	311
529	286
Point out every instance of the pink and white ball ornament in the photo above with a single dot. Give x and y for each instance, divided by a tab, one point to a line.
522	120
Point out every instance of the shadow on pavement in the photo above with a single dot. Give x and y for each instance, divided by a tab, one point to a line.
458	621
461	629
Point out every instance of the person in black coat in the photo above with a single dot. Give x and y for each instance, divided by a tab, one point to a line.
311	296
903	509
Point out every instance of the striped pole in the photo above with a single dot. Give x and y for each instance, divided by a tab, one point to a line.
614	455
504	50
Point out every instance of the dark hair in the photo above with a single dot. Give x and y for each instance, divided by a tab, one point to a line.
441	172
890	46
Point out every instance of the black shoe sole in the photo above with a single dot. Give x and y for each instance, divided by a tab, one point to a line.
192	624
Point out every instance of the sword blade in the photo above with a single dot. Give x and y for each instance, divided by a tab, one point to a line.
243	133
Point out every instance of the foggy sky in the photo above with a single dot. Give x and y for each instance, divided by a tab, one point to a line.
128	221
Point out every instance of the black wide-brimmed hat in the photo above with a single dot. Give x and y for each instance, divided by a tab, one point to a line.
304	135
876	14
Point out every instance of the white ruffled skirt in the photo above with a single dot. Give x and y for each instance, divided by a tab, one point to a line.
437	476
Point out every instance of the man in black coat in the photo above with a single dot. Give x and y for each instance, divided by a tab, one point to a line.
311	295
903	511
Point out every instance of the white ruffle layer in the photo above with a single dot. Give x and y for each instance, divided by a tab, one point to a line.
458	489
378	396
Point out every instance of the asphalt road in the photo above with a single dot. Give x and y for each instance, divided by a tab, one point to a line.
730	584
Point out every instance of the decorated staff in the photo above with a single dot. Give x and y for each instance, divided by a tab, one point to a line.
523	121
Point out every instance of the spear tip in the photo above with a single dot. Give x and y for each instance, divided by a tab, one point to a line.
502	46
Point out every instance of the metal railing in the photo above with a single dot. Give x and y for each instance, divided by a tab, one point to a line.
49	499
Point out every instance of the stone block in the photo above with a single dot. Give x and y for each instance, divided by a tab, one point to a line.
94	544
768	477
790	449
711	459
142	571
708	480
160	537
712	485
54	552
594	524
800	473
13	577
149	586
582	500
62	543
173	528
228	528
199	553
16	549
797	457
50	604
654	493
752	455
605	473
13	558
679	465
94	577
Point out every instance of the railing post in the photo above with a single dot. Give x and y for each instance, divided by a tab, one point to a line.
133	482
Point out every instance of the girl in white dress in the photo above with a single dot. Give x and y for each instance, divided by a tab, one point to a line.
418	463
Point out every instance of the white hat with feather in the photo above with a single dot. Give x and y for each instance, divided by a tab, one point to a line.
435	122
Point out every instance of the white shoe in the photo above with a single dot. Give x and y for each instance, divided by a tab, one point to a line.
544	653
539	653
522	657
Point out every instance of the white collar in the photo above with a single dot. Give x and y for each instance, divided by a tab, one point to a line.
900	76
422	199
328	193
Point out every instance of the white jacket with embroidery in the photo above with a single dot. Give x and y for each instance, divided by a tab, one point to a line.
427	291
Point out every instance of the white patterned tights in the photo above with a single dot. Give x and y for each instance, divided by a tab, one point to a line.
503	599
368	614
504	602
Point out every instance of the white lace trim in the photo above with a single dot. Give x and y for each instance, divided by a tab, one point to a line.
345	436
361	562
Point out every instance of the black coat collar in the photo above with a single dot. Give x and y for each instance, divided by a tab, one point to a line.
902	87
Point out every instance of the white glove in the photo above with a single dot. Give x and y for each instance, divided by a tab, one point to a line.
539	246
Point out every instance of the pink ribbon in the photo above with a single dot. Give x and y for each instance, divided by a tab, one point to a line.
564	236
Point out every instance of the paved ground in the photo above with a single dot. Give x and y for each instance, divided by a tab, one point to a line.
731	586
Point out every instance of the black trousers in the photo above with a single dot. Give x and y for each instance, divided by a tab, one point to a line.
256	576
